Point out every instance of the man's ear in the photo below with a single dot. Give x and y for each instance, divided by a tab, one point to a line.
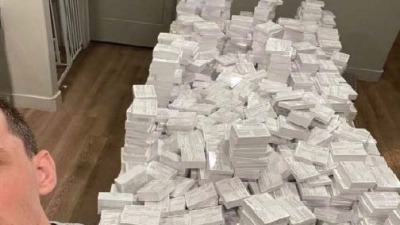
45	172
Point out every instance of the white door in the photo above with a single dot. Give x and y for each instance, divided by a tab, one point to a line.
131	22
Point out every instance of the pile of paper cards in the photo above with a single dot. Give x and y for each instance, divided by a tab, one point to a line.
240	31
246	121
165	72
140	139
262	33
265	11
394	217
191	7
217	11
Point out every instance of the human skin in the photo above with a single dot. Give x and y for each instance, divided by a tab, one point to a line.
23	180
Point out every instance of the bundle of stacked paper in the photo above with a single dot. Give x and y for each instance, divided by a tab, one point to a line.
217	11
140	136
262	33
165	71
240	31
265	11
193	7
263	137
394	217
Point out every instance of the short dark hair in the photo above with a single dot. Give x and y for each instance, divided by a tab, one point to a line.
19	128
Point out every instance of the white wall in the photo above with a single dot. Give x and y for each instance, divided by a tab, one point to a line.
30	53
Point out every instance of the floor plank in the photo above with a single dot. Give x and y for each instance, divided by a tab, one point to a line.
379	109
86	134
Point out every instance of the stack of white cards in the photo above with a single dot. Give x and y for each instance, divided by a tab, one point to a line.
279	59
168	38
310	11
305	47
348	151
160	171
314	196
328	19
176	220
207	216
262	209
184	24
140	215
113	201
182	185
202	197
327	66
330	46
248	149
208	35
311	154
262	32
320	137
378	204
270	181
340	60
293	29
265	11
356	175
302	171
307	63
192	151
394	217
139	137
183	122
232	192
165	69
162	205
189	7
346	132
286	190
156	190
301	80
218	162
288	130
301	118
334	215
217	10
144	92
299	213
132	180
189	49
172	159
386	179
240	31
110	217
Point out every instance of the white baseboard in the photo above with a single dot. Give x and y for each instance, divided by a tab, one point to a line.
365	74
34	102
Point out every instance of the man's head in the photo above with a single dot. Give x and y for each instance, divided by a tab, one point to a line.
25	172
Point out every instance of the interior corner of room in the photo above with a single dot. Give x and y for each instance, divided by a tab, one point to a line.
40	39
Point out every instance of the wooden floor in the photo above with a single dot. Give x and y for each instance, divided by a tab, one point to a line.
378	108
86	134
